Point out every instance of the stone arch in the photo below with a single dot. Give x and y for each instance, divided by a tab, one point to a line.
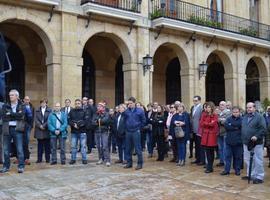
35	23
161	89
118	40
261	64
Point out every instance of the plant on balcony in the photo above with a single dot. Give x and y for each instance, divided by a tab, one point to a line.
250	31
203	21
156	13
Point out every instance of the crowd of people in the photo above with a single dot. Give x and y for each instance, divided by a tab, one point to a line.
223	132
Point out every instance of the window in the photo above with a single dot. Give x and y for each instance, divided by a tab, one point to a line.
216	7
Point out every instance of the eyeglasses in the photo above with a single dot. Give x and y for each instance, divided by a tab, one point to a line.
171	107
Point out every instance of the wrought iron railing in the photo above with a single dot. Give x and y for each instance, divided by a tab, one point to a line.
188	12
129	5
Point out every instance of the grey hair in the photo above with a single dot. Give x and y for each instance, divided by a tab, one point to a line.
15	92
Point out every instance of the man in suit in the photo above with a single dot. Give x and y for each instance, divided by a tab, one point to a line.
119	124
196	111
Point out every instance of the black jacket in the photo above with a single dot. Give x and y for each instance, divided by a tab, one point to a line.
42	120
158	122
77	116
120	130
233	127
101	122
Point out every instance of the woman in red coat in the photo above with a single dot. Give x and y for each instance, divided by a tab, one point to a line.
209	130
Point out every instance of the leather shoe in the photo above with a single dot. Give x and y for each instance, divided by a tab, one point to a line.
63	162
257	181
53	163
138	167
84	162
220	165
195	162
118	161
72	162
224	173
208	171
200	164
244	177
237	173
127	166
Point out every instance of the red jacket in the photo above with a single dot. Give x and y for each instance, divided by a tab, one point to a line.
209	130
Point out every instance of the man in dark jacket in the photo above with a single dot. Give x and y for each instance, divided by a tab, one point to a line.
77	118
1	134
13	128
119	125
29	119
233	141
253	131
135	120
41	131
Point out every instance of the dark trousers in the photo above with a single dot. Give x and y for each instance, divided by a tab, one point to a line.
174	148
112	142
199	151
1	145
235	152
191	145
26	140
161	146
121	148
89	141
210	154
43	145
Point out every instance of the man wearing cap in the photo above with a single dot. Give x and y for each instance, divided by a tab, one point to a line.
253	130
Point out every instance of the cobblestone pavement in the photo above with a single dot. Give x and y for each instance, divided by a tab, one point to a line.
157	180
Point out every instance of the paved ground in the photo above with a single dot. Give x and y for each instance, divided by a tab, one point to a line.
158	180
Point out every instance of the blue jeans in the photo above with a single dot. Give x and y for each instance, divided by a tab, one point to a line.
181	149
62	147
74	143
121	148
102	141
221	148
17	137
134	138
149	140
234	152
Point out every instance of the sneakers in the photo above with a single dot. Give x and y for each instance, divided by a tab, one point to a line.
108	164
4	170
72	162
100	162
20	170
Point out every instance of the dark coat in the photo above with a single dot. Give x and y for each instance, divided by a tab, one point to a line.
255	127
120	130
267	134
8	115
209	130
233	127
101	122
29	117
78	116
184	117
158	123
42	120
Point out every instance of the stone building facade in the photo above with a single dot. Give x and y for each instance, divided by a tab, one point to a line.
72	48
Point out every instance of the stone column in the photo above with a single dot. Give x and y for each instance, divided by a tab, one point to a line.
230	88
130	80
187	86
241	78
71	61
264	87
54	84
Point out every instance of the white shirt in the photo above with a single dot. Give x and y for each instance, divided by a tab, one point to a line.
118	120
195	109
67	110
43	111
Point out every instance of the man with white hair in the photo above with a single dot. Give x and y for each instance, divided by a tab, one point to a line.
13	128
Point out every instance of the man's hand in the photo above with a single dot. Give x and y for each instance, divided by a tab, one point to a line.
75	125
254	138
41	127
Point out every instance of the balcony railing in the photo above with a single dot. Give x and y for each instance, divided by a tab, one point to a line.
128	5
187	12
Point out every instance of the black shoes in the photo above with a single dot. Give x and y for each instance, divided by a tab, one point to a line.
84	162
244	177
38	161
138	167
127	166
118	161
63	162
257	181
237	173
208	171
224	173
72	162
53	163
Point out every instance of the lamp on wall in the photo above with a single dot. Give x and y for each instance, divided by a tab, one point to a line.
147	63
202	69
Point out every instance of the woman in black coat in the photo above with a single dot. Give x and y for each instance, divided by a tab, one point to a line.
41	131
158	123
